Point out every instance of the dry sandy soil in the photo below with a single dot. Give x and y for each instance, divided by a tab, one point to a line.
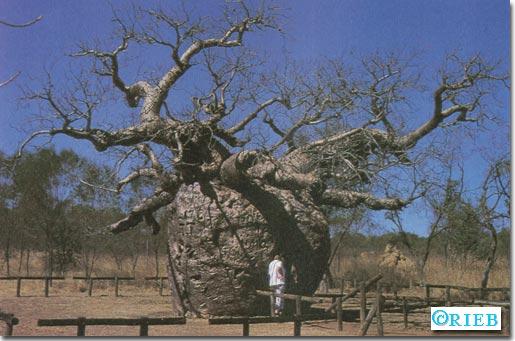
67	301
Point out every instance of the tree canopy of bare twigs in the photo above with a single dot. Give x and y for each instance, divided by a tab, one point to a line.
202	147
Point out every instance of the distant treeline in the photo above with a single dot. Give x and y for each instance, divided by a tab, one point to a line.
451	243
47	206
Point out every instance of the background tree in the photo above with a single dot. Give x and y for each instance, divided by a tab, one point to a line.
47	207
494	208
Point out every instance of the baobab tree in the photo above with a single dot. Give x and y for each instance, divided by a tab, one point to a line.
237	165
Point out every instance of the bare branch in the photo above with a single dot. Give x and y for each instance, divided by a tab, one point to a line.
226	40
143	172
241	125
29	23
10	79
110	61
474	72
144	209
103	188
348	199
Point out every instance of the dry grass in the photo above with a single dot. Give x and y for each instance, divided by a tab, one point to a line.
438	271
103	266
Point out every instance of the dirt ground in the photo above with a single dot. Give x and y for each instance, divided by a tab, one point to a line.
69	300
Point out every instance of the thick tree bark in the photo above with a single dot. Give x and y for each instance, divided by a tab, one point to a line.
223	245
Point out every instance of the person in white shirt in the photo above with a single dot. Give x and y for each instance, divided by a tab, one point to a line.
277	281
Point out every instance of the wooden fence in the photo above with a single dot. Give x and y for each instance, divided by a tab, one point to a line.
336	306
48	280
82	322
342	283
368	284
10	321
161	285
382	303
115	279
18	280
482	292
246	321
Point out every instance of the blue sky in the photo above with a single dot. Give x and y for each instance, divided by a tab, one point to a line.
314	30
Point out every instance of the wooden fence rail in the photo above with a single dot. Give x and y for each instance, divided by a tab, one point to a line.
246	321
355	291
459	287
48	280
354	283
405	306
292	296
336	301
448	288
115	279
18	280
298	317
10	278
10	322
82	322
161	285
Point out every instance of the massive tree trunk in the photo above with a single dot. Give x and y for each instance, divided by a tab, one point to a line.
221	247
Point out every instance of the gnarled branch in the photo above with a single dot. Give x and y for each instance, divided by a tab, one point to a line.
348	199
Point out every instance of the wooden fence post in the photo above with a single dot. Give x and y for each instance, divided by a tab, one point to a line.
8	329
272	305
506	320
46	286
297	323
18	287
143	326
368	320
90	287
342	286
428	294
161	286
379	318
246	328
9	325
394	289
448	302
405	311
355	283
116	286
298	305
339	313
362	303
81	326
469	295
